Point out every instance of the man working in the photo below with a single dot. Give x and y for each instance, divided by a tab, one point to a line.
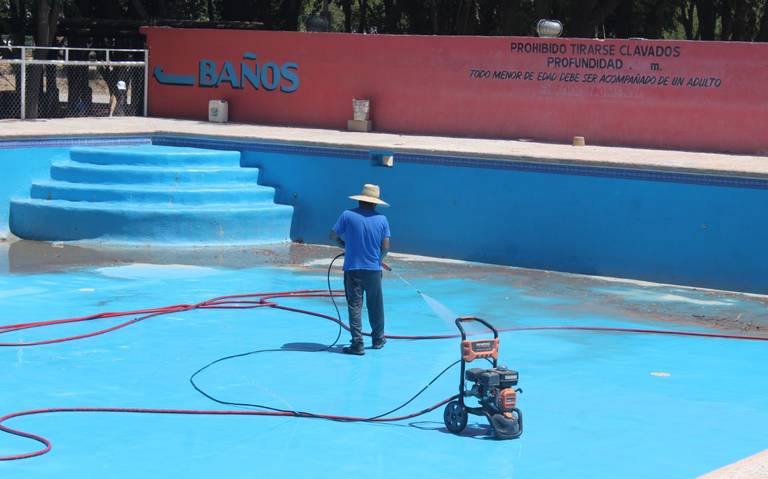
363	232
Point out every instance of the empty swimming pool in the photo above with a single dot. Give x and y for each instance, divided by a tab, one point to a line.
620	378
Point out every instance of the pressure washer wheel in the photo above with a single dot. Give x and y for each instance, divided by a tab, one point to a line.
455	417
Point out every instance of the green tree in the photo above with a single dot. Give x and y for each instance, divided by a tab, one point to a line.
742	20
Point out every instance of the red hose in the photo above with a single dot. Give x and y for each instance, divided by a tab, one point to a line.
208	412
637	330
222	302
250	301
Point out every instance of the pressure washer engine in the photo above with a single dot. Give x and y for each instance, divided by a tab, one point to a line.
494	387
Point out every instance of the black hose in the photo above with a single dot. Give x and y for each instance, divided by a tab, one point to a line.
326	348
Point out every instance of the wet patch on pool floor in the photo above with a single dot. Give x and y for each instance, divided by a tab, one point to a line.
522	291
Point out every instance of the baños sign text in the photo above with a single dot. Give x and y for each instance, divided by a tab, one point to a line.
269	76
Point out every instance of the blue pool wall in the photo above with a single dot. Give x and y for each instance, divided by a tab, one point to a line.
690	229
17	175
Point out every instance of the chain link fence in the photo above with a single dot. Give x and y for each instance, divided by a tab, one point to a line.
49	82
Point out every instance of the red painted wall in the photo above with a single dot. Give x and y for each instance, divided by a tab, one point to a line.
613	92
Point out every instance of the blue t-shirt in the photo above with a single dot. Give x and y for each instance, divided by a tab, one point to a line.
362	230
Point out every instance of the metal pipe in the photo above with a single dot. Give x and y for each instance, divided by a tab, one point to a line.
146	80
76	63
87	49
23	92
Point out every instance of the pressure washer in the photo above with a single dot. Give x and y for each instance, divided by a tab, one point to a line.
494	387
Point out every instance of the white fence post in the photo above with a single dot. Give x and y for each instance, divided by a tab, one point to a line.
23	91
146	80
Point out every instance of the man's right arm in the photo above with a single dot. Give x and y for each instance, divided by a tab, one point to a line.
339	226
385	239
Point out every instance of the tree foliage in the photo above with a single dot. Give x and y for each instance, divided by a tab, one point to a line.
742	20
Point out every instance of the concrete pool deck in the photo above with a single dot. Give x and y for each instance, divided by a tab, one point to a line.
753	467
513	150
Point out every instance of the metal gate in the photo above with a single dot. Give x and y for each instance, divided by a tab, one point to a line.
53	82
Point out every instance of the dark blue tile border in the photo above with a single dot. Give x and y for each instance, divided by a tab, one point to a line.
596	171
53	142
521	165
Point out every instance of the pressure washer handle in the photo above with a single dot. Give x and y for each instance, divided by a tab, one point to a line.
386	266
466	319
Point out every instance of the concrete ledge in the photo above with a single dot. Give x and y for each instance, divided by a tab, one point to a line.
752	467
360	125
513	150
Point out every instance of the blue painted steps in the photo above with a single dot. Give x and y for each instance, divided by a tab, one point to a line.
86	173
234	193
151	194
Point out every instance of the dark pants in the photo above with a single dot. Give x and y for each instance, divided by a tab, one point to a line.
355	283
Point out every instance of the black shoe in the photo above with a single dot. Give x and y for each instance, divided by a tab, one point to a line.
378	344
356	349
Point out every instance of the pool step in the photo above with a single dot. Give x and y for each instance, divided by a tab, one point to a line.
120	222
222	193
151	194
75	172
153	155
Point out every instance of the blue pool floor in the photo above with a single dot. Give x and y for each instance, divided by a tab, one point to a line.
596	405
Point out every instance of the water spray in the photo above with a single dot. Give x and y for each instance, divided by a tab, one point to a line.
389	268
442	311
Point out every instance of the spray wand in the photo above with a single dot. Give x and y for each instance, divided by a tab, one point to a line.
389	268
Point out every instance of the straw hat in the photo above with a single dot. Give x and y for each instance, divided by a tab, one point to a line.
370	194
